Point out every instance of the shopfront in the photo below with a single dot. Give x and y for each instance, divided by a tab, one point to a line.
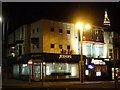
97	69
47	66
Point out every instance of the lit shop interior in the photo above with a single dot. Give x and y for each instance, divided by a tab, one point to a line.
57	67
98	69
51	66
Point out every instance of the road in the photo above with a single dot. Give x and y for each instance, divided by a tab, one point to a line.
63	85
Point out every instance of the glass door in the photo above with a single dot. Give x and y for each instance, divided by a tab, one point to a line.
36	71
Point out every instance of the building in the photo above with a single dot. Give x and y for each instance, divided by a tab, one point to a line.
54	48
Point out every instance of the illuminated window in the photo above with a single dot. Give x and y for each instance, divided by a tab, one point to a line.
98	73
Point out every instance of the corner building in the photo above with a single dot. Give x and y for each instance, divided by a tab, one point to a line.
54	48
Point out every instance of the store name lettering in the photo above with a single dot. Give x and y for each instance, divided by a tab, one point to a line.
98	62
36	56
65	56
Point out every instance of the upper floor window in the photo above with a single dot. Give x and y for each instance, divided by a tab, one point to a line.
68	31
52	29
60	30
52	46
37	29
33	31
33	47
68	46
60	46
37	45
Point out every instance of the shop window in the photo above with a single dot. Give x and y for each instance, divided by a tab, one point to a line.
16	70
68	31
52	29
52	45
25	69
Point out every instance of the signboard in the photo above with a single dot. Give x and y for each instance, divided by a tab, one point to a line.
98	62
36	56
65	56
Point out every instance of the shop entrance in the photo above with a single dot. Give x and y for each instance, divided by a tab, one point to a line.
38	70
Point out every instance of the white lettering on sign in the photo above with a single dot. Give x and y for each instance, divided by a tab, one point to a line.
98	62
65	56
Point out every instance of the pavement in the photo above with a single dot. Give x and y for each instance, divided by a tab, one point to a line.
13	83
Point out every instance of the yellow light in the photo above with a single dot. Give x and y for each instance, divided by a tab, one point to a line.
0	19
87	26
79	25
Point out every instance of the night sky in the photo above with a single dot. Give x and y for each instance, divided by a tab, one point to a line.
17	14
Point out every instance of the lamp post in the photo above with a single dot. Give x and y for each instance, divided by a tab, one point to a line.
81	27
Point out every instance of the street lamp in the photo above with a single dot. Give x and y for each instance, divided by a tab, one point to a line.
82	27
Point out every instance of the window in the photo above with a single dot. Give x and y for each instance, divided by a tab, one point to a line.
60	30
52	29
37	45
20	49
68	31
37	29
33	31
33	47
60	46
68	46
110	53
52	45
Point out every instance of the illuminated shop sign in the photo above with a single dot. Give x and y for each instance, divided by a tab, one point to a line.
98	62
65	56
91	67
107	59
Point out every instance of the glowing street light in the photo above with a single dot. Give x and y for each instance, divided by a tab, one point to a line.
0	19
82	27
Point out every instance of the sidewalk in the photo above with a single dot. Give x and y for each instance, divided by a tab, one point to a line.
20	83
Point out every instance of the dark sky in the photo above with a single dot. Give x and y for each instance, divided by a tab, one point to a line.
20	13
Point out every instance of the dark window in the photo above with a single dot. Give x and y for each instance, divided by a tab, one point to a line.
52	45
60	46
37	45
37	29
52	29
60	30
68	31
33	47
33	31
22	32
68	46
20	50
